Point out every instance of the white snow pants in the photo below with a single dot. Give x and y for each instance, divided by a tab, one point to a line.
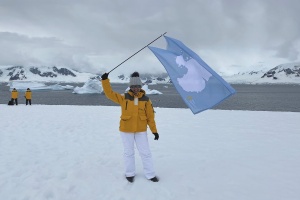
141	142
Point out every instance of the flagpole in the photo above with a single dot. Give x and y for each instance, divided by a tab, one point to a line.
137	52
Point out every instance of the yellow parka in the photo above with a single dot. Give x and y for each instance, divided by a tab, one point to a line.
28	94
14	94
134	118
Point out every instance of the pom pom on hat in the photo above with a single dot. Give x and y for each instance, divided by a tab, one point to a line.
135	79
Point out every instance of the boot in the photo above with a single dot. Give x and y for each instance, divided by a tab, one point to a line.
130	179
154	179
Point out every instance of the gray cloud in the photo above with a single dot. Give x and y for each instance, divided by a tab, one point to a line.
96	36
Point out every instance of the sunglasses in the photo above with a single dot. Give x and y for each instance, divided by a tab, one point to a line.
135	86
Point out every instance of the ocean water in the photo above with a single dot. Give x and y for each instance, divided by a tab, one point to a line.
248	97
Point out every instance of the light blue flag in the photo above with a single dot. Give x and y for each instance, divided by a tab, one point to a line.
200	87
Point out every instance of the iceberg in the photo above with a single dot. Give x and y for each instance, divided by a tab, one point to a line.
92	86
147	90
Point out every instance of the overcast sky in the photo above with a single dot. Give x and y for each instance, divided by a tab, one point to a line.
97	35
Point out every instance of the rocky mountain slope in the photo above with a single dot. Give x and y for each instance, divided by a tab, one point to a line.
43	74
281	74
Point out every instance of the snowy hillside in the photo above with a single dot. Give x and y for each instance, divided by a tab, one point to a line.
148	79
282	74
244	78
56	74
42	74
288	73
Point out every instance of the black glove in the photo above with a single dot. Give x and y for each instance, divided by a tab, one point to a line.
104	76
156	136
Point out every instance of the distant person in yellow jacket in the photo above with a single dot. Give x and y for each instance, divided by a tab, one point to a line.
28	96
137	114
14	96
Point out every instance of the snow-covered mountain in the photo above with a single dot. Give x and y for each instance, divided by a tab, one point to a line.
42	74
146	78
281	74
64	74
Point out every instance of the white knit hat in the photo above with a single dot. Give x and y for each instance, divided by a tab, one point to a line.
135	79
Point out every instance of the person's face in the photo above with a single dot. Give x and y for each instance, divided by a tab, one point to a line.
135	88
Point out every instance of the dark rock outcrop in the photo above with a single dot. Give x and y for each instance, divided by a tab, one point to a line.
64	71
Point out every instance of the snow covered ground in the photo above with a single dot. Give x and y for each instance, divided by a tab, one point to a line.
75	153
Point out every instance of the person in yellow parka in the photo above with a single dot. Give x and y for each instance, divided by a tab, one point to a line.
137	113
28	96
14	96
